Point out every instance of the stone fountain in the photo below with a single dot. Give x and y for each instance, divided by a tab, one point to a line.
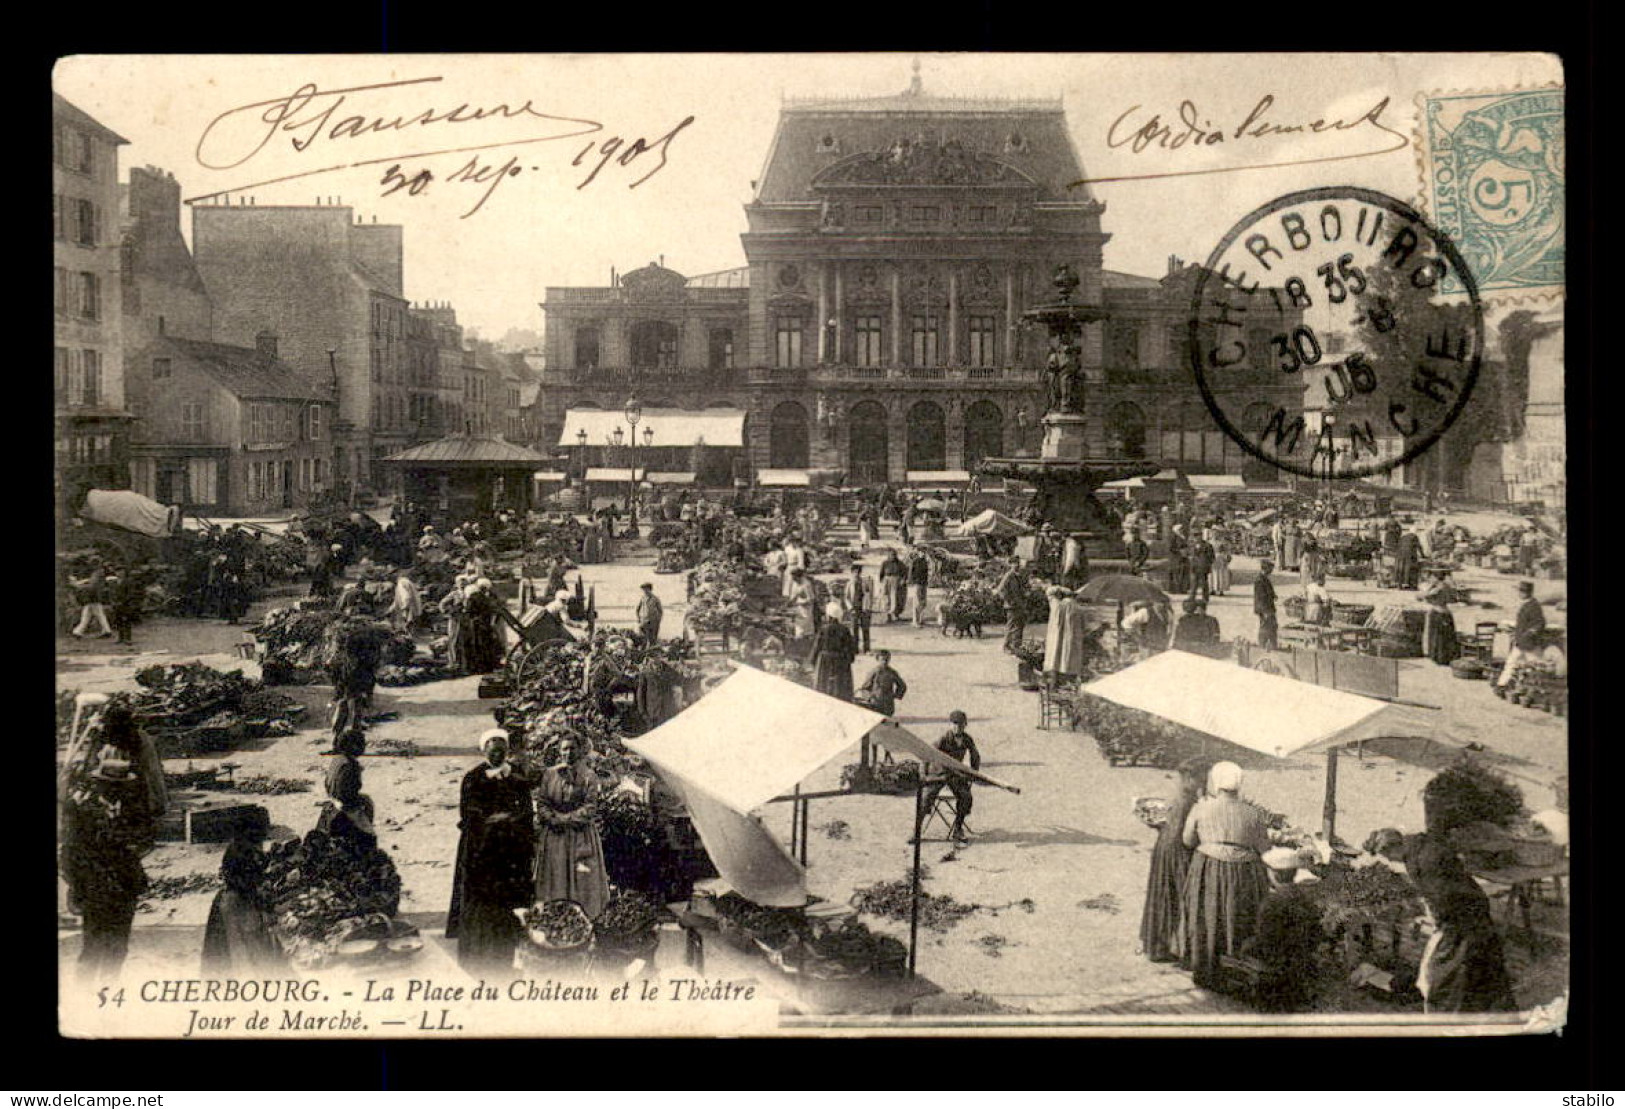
1065	480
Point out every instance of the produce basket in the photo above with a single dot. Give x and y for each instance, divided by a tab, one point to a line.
558	927
1469	669
1293	607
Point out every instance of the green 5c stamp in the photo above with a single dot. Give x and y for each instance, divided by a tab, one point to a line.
1493	166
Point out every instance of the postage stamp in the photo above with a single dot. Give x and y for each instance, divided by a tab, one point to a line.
1340	288
1492	166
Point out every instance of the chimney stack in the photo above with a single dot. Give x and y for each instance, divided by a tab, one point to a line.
265	343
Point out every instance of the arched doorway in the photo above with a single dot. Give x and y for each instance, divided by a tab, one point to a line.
927	437
868	445
1125	430
654	345
984	432
787	437
1254	419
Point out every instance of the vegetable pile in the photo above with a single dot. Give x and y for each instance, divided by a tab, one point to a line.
628	922
168	888
188	693
291	641
882	777
558	925
1347	894
1130	737
314	884
973	603
417	671
1151	811
893	901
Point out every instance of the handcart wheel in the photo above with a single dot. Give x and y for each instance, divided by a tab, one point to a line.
528	663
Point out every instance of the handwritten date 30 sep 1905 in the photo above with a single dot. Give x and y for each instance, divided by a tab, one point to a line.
311	118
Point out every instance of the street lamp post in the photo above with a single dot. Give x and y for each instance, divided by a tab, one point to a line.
634	413
1329	425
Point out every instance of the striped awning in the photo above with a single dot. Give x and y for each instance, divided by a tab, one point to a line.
783	477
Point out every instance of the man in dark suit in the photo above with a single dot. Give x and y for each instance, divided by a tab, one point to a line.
1528	633
1264	606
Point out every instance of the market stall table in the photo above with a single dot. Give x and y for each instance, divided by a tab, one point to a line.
1523	886
810	996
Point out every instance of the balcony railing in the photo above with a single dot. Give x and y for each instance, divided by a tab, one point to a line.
642	375
834	372
621	376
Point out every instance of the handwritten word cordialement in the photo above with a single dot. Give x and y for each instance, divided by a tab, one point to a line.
1190	128
311	119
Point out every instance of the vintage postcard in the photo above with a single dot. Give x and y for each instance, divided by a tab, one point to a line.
801	545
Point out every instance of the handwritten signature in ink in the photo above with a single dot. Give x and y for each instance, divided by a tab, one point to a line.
309	119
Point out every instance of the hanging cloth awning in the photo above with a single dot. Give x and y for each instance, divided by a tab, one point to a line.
784	477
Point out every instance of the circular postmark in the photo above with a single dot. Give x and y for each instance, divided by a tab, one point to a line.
1330	305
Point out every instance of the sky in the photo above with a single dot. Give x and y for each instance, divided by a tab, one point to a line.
491	242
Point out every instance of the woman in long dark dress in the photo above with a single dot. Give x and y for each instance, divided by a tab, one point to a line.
833	652
238	936
1439	641
569	853
1464	966
482	641
1227	881
1170	859
494	859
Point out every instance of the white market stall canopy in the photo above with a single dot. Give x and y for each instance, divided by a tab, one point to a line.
605	473
752	738
671	478
1217	483
548	475
122	508
784	477
1125	483
673	427
755	736
1267	713
993	522
927	477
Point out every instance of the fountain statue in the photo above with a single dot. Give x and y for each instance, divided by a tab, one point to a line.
1065	479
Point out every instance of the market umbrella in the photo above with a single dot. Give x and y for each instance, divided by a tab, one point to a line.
1123	588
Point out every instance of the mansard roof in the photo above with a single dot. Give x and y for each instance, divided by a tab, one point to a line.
921	139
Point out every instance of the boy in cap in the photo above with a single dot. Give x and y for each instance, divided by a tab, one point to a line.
650	612
956	743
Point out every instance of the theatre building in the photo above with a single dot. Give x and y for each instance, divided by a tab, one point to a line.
893	245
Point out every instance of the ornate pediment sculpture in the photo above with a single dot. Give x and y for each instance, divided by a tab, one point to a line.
922	161
654	284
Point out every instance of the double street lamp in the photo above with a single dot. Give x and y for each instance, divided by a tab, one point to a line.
618	438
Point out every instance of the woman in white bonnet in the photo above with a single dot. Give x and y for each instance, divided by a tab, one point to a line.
1227	881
